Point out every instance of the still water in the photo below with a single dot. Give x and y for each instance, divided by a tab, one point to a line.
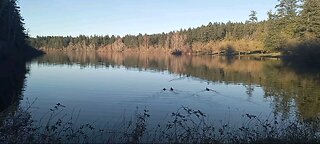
107	87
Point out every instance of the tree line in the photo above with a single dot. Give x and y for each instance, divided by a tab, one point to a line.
292	23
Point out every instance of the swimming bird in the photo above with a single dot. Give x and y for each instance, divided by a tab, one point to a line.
207	89
164	89
171	89
60	105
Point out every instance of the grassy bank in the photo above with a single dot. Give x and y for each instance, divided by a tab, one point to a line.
183	126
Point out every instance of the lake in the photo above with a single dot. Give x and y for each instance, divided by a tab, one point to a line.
106	87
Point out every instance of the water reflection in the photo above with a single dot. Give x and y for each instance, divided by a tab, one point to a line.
289	91
12	77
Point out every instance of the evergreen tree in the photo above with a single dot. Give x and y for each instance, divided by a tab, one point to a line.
253	17
287	8
310	17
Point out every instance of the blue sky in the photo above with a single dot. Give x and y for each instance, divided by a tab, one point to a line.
120	17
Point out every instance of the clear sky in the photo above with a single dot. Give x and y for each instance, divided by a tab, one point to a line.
120	17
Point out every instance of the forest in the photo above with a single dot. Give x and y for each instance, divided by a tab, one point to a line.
294	24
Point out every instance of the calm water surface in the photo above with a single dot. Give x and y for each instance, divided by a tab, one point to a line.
108	87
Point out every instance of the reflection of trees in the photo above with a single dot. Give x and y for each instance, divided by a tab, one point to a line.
12	76
283	85
288	88
82	58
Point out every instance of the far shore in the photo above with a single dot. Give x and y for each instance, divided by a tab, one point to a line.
256	53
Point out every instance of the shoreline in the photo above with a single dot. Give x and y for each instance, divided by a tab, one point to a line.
258	53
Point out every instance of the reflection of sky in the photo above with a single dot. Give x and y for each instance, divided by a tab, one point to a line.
106	93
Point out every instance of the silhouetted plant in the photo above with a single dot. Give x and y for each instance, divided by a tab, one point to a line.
183	126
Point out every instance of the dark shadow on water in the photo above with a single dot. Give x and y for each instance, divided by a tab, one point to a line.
12	77
13	70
